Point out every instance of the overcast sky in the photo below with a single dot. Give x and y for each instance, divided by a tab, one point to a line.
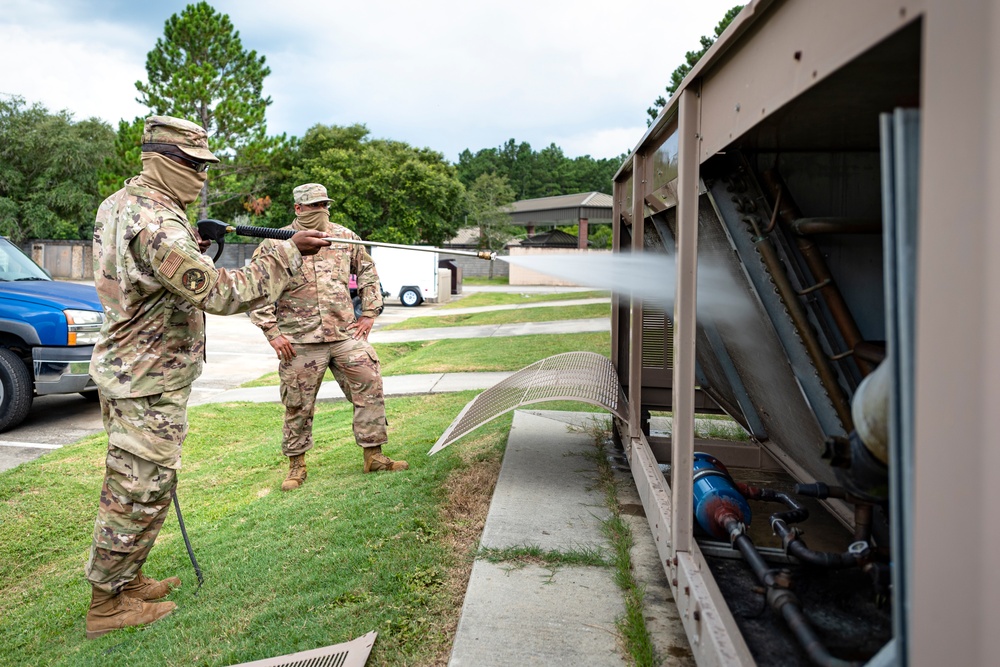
442	74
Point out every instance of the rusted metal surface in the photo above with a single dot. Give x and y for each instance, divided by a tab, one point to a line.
571	376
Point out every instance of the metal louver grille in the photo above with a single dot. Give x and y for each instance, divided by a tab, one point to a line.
571	376
657	338
349	654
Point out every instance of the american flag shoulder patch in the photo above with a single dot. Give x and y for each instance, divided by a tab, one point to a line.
170	263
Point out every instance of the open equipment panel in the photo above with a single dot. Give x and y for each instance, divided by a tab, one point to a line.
832	168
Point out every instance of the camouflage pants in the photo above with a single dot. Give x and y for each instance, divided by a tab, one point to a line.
355	366
145	436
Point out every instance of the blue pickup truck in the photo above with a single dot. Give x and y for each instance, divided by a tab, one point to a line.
47	334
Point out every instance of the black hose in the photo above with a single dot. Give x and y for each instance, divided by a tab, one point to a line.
792	613
791	542
265	232
187	542
783	600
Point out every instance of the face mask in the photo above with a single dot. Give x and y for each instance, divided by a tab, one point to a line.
314	218
180	182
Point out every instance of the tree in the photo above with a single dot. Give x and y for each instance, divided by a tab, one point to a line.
200	71
691	58
48	172
125	159
488	201
384	190
544	173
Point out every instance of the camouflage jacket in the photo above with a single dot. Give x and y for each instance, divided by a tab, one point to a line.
316	306
153	282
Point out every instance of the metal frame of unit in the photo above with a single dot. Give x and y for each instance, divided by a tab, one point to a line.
948	595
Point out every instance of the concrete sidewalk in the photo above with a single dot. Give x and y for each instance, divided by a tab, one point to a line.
445	311
492	330
393	385
546	496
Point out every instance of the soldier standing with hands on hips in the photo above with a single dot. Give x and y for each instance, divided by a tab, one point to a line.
312	327
154	284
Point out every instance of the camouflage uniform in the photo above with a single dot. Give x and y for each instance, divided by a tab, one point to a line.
313	314
154	284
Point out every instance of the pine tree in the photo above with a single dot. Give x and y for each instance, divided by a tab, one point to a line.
200	71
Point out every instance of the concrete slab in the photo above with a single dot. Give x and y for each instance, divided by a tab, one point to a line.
534	616
557	327
545	495
467	381
394	385
516	306
400	385
491	330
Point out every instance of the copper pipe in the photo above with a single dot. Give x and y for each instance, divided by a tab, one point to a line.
813	288
820	271
774	216
827	376
870	351
807	226
862	522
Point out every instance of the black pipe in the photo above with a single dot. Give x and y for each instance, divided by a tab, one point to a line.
792	613
791	542
781	599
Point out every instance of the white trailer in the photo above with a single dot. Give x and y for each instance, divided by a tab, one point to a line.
409	275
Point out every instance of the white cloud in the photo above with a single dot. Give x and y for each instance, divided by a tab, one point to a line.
444	74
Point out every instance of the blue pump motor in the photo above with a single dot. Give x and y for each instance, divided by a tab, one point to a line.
716	496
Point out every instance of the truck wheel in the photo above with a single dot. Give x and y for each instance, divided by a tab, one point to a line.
15	390
357	307
410	297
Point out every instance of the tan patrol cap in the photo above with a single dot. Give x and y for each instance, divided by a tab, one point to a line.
310	193
187	136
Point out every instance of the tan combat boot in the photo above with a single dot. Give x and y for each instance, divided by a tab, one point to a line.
146	588
375	461
296	473
111	612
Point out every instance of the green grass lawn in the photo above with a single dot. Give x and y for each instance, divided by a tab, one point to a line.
284	572
497	280
477	299
503	353
540	314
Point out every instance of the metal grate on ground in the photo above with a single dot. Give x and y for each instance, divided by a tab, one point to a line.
571	376
349	654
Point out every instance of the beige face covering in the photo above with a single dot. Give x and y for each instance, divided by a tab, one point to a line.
314	218
180	182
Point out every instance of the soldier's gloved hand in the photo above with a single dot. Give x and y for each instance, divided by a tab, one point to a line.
310	241
283	347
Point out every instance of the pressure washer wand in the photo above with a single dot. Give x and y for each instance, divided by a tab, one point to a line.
216	230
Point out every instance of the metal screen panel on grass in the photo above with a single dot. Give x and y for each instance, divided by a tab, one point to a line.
349	654
571	376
